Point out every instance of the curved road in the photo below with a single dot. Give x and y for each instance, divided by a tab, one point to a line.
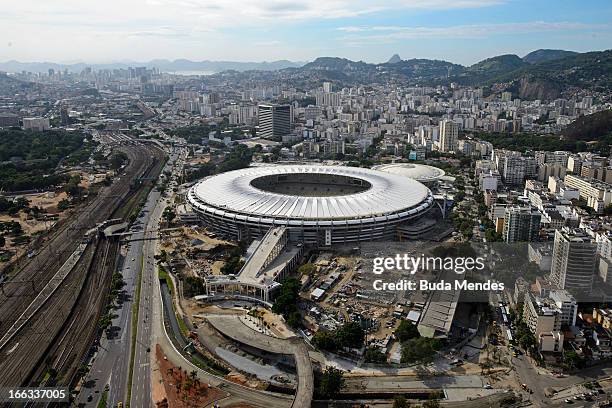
232	327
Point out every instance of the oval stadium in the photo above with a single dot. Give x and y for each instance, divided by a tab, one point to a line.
317	204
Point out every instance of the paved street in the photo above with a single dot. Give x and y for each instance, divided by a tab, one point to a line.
111	364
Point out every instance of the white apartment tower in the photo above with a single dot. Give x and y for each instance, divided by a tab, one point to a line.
449	132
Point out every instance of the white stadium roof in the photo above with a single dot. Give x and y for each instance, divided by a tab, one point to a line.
233	192
419	172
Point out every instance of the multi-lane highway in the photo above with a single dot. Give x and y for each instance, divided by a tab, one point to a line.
111	365
141	379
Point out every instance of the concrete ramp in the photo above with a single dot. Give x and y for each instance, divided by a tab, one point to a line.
231	327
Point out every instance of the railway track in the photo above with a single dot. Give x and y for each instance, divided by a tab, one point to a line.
17	293
84	322
24	350
48	338
64	354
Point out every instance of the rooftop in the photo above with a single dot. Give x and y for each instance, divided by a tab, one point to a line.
309	192
419	172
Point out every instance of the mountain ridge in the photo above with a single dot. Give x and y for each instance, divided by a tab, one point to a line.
544	54
166	65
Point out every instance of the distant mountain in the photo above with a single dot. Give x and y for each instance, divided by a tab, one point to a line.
416	70
544	55
337	64
422	70
394	59
179	65
547	80
542	74
497	65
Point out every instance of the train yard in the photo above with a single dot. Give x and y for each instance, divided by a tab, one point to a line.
54	338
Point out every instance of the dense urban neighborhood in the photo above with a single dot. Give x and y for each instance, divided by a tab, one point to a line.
330	234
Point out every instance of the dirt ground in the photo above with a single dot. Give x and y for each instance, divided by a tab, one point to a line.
30	226
180	389
185	241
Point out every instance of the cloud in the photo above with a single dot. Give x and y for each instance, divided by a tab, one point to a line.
166	32
271	43
215	13
361	35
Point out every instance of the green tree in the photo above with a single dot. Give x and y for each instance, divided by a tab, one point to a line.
286	302
406	331
572	360
72	187
418	349
325	340
307	269
193	286
117	160
374	355
169	215
351	334
331	382
432	402
399	401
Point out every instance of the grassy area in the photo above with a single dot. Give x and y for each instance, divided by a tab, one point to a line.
201	361
103	400
164	275
135	310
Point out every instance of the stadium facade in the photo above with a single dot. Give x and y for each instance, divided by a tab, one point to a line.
317	204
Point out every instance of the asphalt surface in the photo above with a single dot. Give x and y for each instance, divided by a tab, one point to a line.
232	327
111	364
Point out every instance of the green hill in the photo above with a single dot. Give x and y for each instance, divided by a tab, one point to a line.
543	55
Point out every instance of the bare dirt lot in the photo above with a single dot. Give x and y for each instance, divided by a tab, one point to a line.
182	388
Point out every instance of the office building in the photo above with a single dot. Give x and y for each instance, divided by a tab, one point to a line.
274	121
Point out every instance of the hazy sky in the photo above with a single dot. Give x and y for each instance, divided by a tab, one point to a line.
462	31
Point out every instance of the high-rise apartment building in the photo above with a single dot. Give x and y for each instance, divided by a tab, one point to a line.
521	224
274	121
327	99
449	132
567	305
38	124
543	318
514	170
574	260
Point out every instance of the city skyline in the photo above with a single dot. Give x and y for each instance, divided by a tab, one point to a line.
463	32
